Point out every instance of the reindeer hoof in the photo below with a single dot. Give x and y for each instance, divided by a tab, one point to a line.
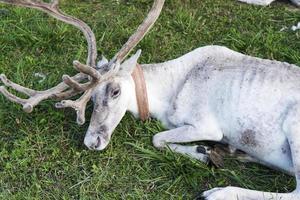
202	149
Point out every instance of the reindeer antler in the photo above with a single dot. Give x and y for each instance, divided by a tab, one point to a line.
114	64
72	85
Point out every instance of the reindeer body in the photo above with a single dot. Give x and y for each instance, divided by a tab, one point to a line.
216	94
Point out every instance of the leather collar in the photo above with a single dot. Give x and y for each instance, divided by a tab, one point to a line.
141	92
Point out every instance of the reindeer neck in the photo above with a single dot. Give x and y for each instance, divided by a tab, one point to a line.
163	81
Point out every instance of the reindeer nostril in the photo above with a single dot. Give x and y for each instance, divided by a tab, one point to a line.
97	145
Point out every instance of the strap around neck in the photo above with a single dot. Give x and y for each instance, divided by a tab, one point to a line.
141	92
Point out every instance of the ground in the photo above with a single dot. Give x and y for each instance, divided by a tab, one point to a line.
42	155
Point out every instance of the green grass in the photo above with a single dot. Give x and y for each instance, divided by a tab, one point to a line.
42	155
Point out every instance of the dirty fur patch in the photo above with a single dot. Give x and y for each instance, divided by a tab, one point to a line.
248	138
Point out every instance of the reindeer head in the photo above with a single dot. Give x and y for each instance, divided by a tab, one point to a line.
106	83
111	99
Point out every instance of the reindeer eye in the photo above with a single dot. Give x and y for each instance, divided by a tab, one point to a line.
116	93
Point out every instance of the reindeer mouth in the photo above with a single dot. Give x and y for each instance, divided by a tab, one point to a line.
93	145
97	143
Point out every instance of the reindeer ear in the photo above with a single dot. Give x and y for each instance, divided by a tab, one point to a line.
102	65
102	62
128	66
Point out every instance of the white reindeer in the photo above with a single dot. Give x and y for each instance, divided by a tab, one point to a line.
211	93
267	2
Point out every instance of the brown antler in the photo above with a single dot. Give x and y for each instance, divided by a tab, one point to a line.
59	91
114	64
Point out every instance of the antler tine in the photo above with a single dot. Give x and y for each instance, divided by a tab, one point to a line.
54	3
92	72
79	105
141	31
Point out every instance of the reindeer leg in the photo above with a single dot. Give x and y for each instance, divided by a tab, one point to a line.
187	133
198	152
